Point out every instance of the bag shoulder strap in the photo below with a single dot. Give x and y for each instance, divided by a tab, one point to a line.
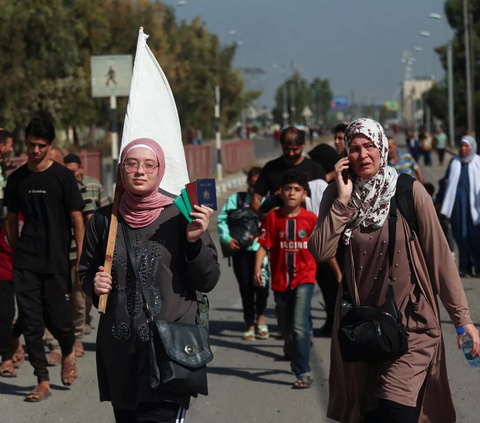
241	197
392	236
404	199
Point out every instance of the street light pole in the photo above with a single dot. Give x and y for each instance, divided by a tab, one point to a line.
451	110
467	64
451	116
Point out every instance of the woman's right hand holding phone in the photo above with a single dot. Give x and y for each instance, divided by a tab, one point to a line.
343	180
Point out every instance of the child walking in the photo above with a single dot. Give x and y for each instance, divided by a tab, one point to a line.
293	269
237	236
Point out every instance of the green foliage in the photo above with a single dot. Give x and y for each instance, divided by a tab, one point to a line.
45	61
436	98
296	93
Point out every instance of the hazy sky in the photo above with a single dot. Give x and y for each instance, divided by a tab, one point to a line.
357	44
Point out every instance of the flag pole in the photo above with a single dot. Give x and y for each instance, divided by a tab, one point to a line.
112	235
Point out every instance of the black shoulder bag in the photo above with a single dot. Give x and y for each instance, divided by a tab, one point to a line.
373	333
179	352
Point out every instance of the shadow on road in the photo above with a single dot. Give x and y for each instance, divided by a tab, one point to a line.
21	391
269	312
254	375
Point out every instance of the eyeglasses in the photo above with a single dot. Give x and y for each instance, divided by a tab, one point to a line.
148	167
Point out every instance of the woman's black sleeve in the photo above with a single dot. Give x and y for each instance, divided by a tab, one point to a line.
93	254
203	269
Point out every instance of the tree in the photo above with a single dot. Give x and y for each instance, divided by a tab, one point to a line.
39	60
45	61
296	93
436	98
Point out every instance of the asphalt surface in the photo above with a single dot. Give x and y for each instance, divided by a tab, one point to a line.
248	381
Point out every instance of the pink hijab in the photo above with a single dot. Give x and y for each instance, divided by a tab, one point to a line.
140	211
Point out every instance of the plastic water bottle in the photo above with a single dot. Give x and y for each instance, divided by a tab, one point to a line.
467	346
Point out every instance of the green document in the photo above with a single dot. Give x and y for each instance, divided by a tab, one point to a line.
181	206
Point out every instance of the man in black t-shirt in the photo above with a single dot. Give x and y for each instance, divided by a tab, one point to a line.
47	195
270	179
328	156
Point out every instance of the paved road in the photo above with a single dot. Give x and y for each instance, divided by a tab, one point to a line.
249	382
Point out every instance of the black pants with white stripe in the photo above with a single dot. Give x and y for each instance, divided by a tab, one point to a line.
151	412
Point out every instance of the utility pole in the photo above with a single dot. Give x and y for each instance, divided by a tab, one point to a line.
285	104
292	106
428	119
451	118
468	65
352	97
472	70
114	131
292	89
413	109
218	136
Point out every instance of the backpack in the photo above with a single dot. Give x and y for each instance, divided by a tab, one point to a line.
404	200
242	222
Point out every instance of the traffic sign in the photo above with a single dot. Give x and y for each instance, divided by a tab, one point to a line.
339	103
111	75
307	112
392	105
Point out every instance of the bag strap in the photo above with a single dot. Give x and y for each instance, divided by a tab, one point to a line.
404	198
131	257
392	236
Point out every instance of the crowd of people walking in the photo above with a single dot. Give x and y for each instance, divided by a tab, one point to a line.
358	219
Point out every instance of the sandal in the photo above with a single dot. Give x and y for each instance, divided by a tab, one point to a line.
39	393
87	330
263	332
18	356
8	370
54	358
78	348
249	335
303	383
69	371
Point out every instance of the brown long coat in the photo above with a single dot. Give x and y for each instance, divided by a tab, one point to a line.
427	254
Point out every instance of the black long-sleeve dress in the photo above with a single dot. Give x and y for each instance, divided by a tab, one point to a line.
171	270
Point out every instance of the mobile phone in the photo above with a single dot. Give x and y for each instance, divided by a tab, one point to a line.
348	174
351	172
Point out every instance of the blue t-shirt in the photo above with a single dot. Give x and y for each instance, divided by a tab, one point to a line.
405	164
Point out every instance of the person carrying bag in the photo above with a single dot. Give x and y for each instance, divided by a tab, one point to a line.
150	332
387	378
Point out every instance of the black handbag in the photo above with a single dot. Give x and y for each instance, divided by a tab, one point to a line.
179	352
372	333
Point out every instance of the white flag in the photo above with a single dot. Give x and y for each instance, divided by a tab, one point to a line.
152	113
